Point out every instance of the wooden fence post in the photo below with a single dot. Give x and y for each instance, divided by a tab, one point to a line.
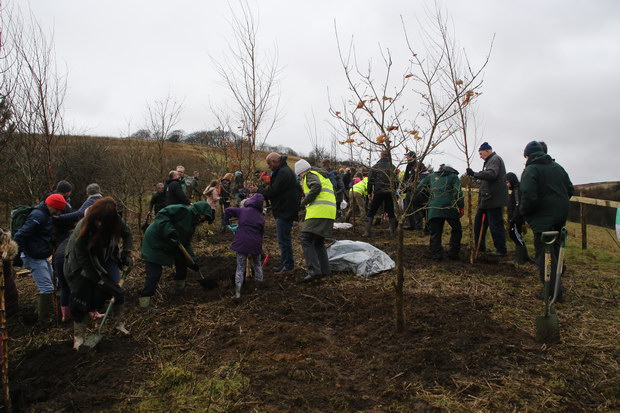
584	226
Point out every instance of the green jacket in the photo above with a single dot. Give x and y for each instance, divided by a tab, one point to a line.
175	222
79	260
445	192
545	193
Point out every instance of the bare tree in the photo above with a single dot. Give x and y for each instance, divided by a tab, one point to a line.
34	90
252	78
375	118
161	118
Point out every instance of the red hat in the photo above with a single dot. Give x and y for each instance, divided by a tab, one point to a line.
56	201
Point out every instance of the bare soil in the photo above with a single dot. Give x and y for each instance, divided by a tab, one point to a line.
331	345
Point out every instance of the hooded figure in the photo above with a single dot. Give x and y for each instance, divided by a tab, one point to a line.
248	242
173	227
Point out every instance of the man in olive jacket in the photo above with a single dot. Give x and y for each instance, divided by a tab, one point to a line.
545	193
493	196
445	204
173	226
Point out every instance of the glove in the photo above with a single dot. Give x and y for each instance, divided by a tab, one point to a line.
193	267
470	172
461	212
232	228
126	259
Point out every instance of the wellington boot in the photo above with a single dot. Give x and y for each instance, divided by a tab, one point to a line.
65	310
393	226
521	256
118	311
367	228
179	287
145	304
45	309
79	333
238	291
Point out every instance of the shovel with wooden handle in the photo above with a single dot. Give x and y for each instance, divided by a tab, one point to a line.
92	340
204	282
547	326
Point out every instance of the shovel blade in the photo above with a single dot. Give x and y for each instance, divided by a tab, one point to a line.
547	329
208	284
92	340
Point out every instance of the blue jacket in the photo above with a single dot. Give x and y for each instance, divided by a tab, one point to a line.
75	216
35	236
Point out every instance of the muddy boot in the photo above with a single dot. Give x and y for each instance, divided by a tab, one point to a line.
521	256
79	333
118	311
65	310
393	226
259	285
367	228
145	304
238	291
45	309
179	287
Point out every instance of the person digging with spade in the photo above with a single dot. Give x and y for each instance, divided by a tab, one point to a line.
173	226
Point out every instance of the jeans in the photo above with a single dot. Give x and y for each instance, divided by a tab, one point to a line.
153	274
285	242
41	271
495	220
315	254
256	266
435	225
114	273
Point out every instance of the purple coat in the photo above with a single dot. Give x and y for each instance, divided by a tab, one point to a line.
249	235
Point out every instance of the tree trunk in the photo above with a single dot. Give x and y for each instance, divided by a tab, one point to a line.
398	284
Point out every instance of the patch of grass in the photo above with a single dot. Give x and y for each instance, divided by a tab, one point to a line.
176	388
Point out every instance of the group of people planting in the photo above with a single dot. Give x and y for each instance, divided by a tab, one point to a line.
91	247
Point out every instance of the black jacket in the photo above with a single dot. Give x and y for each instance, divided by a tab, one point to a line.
379	177
174	193
35	236
158	201
284	192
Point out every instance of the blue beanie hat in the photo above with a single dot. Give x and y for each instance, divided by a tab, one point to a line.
485	146
532	147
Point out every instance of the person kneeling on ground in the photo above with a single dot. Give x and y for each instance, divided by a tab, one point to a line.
320	204
173	227
91	265
445	204
248	238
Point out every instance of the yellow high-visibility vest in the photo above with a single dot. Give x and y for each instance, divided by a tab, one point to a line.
361	187
324	205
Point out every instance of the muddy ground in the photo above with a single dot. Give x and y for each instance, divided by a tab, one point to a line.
469	343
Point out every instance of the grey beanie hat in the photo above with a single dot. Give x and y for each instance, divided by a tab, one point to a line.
63	187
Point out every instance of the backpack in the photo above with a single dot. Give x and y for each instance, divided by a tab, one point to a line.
18	217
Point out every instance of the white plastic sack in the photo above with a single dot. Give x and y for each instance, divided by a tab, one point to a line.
343	204
342	225
358	257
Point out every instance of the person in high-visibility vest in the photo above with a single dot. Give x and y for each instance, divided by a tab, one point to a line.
357	197
320	203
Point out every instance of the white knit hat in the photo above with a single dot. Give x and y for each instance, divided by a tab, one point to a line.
301	166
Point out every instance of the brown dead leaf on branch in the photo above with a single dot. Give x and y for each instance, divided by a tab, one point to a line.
361	104
468	95
351	133
381	139
384	98
458	82
408	75
391	128
337	113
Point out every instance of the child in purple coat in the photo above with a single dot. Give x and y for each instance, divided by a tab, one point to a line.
248	238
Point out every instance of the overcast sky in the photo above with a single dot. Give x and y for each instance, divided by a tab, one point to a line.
553	73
